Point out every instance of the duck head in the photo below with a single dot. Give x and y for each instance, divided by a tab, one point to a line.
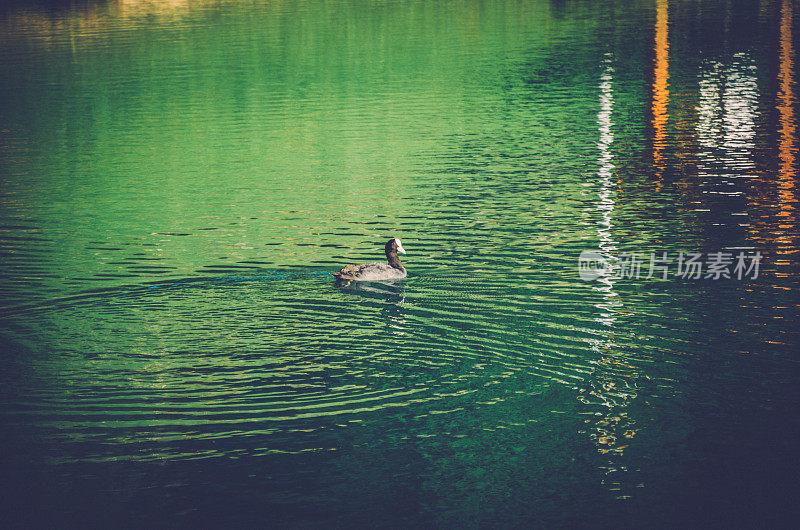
393	246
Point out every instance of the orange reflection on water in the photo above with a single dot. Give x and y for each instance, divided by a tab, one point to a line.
93	20
127	8
786	99
153	5
778	229
660	84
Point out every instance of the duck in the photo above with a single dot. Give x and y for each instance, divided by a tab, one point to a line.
370	272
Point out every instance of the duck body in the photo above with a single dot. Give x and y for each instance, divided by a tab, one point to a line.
368	272
393	269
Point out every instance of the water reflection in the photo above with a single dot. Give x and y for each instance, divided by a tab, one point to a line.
606	203
774	201
660	87
787	172
159	7
388	291
726	123
612	385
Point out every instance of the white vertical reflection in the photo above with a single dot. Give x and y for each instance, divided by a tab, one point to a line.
606	203
612	385
726	124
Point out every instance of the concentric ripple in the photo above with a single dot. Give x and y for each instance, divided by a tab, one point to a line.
268	353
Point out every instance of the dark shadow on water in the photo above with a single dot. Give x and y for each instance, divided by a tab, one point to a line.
391	291
54	7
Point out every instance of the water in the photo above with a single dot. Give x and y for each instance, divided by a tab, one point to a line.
178	178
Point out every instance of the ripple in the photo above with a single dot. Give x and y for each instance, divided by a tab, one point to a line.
202	353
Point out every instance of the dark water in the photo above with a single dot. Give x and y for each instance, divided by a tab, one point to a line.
178	178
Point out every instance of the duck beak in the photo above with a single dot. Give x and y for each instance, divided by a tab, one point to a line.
400	249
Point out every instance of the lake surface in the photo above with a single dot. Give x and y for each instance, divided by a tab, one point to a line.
179	178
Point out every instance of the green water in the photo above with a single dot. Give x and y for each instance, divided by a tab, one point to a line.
179	178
